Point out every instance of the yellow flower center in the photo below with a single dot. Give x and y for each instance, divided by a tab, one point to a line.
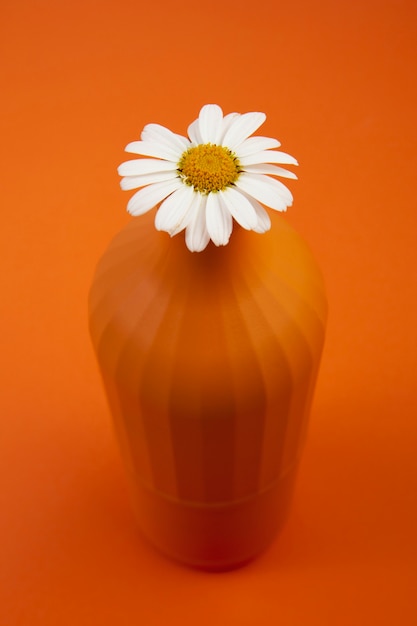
208	168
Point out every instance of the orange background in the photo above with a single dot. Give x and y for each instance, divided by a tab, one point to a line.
79	81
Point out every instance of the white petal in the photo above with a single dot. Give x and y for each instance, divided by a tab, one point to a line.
218	220
267	168
194	133
256	144
132	182
227	122
210	123
150	196
240	208
173	214
193	208
158	133
267	190
241	128
277	185
137	167
154	149
268	156
264	221
196	234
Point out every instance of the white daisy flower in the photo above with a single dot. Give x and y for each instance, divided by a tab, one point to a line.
204	182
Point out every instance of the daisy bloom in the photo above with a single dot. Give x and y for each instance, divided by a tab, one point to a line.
219	173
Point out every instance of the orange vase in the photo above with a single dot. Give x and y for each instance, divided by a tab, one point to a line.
209	362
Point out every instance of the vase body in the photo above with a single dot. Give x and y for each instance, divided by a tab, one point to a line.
209	362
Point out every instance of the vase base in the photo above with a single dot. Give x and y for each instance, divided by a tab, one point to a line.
218	537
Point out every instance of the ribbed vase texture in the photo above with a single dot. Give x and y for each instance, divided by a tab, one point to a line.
209	362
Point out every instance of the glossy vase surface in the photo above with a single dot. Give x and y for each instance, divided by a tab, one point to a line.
209	362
